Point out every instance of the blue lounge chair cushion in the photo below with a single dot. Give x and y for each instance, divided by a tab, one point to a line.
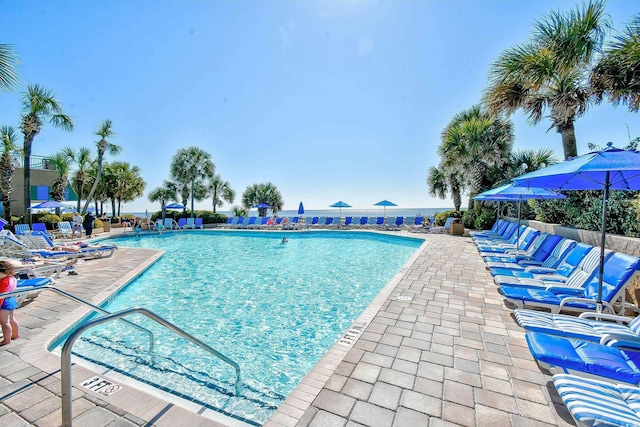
584	356
38	281
597	403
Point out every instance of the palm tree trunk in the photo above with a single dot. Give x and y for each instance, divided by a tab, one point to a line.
457	199
193	184
569	146
95	184
28	141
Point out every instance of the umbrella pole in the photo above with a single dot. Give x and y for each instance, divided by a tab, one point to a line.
518	240
605	199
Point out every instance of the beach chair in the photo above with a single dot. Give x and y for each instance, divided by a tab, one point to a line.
190	223
198	223
229	223
526	268
42	227
519	245
31	288
419	221
347	222
169	224
582	257
364	221
43	246
65	230
499	224
379	222
618	361
538	251
399	221
588	326
504	234
314	221
595	403
619	270
182	222
21	229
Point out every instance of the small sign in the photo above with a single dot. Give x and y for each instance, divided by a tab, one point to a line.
101	386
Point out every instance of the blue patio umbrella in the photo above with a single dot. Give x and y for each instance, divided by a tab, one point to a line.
262	208
49	204
340	205
385	203
511	193
608	169
300	209
175	206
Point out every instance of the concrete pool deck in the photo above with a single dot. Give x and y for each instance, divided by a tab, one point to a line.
437	347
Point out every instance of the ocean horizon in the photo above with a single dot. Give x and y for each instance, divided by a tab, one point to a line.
333	212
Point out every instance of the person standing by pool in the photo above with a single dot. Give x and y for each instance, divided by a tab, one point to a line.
8	283
77	225
88	224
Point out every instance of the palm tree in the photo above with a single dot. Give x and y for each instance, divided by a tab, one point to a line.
263	193
81	176
474	143
8	137
617	75
525	161
8	62
549	73
61	161
162	195
191	165
126	181
220	191
440	183
103	146
39	105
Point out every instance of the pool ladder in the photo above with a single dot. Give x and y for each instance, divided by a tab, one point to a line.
65	368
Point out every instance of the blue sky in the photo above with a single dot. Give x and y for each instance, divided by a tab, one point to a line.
328	100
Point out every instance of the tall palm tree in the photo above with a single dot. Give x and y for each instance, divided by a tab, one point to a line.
191	165
162	195
81	176
473	144
62	162
440	183
549	72
8	138
103	146
220	191
39	105
617	75
8	72
263	193
126	181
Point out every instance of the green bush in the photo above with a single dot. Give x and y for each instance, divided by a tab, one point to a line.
51	220
469	219
97	223
441	218
485	220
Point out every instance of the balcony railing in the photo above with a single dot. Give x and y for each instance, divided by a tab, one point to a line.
36	162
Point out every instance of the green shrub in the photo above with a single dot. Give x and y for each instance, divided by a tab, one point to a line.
51	220
441	218
469	219
97	223
485	220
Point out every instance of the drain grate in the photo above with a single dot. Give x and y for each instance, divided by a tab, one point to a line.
352	333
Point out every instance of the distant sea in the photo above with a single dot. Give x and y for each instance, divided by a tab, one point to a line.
428	212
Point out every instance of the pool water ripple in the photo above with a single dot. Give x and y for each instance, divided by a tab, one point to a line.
273	308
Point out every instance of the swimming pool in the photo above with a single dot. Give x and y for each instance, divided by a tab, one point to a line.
273	308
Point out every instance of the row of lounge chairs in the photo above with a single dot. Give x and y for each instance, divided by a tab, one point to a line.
296	222
595	358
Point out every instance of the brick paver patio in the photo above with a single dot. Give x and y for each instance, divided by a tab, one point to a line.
436	348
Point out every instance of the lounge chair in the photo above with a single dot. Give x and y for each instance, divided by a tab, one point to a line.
552	261
582	257
379	221
619	270
65	230
347	222
520	244
230	222
191	223
614	362
31	288
42	227
364	221
595	403
182	222
538	251
21	229
589	326
198	224
492	232
250	223
43	246
504	234
240	222
399	221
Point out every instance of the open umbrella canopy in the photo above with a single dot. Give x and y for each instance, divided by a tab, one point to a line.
385	203
300	209
608	169
262	206
511	193
340	205
175	206
49	204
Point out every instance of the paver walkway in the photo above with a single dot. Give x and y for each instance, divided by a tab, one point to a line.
450	355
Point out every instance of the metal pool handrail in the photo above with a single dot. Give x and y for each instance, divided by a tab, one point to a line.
65	369
27	289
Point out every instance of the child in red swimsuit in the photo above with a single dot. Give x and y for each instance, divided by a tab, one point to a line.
8	283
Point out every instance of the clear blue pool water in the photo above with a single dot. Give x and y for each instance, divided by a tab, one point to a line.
273	308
